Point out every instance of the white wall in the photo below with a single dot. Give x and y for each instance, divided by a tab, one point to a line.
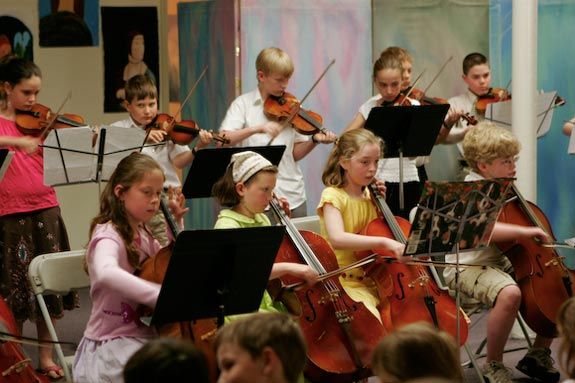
81	71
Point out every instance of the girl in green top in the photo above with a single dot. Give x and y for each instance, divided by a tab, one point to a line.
246	188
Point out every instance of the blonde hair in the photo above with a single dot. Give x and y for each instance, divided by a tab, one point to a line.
347	145
487	142
566	328
401	53
129	171
274	61
387	60
418	350
275	330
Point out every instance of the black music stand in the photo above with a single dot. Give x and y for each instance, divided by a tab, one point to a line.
409	131
210	165
213	273
5	159
456	216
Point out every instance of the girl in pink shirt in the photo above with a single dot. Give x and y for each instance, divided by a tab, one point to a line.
30	220
119	243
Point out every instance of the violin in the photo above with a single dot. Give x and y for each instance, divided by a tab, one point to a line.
181	132
420	96
341	333
202	331
544	280
412	291
287	109
15	367
35	121
492	96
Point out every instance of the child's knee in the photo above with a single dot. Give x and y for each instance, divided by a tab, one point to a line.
509	296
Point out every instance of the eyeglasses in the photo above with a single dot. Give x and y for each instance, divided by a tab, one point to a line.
508	161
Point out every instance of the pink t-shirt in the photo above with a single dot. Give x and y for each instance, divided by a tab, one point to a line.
22	189
115	291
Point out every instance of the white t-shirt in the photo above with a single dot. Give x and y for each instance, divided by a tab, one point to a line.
466	103
248	110
388	168
163	154
489	256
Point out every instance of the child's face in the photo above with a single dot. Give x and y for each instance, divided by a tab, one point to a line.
143	111
238	366
22	96
142	199
406	74
362	166
273	83
257	194
478	79
498	168
388	83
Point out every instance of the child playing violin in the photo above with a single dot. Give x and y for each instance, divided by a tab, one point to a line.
30	219
388	75
477	77
246	124
491	152
142	104
345	209
246	189
119	242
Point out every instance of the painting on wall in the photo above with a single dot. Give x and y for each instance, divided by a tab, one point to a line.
130	36
68	23
15	38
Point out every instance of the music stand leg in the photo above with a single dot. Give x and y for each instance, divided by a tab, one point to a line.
401	196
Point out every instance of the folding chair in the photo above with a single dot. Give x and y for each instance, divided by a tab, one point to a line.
57	273
309	223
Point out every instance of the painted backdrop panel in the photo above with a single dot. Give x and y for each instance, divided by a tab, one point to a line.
434	31
313	33
556	71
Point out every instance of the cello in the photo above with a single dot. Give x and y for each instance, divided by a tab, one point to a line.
340	333
202	331
543	278
415	295
15	367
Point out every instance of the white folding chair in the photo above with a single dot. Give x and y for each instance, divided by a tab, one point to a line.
57	273
309	223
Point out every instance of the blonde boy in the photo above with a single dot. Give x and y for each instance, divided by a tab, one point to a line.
245	124
491	152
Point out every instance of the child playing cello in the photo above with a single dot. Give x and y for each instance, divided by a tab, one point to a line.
491	153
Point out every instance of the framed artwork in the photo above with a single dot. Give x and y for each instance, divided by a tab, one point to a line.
68	23
130	36
15	38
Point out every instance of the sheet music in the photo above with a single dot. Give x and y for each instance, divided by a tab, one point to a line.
77	161
500	112
5	159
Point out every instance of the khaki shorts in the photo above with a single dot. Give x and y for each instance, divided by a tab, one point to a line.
484	285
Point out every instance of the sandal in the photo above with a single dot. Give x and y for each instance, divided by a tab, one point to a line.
53	372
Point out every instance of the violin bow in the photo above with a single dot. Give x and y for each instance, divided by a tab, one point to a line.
414	83
370	259
438	73
53	120
191	91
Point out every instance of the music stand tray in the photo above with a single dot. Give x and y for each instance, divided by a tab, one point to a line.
456	216
407	130
210	165
213	273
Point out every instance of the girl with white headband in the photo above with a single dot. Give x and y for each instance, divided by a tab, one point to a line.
246	190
